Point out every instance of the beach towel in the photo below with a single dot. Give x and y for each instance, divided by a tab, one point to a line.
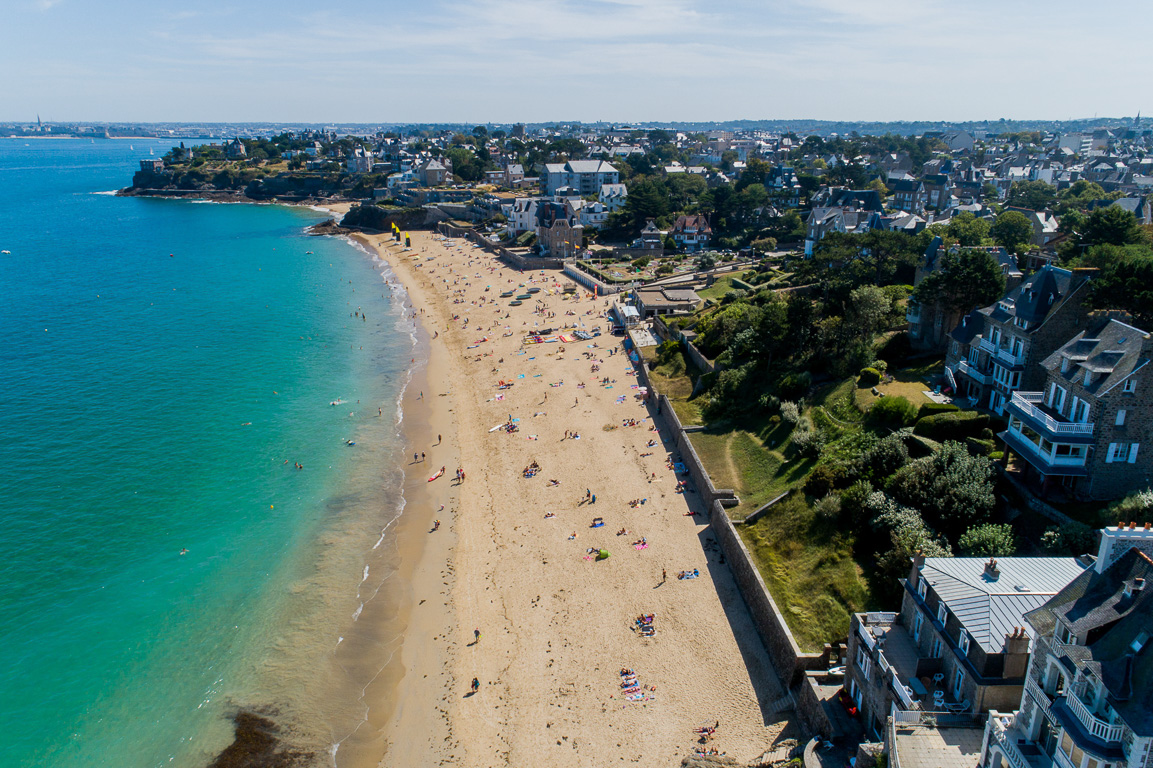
680	468
640	546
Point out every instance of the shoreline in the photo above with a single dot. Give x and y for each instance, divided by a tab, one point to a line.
556	630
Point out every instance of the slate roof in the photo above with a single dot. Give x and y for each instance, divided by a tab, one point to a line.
1037	296
990	608
588	166
1113	350
1095	603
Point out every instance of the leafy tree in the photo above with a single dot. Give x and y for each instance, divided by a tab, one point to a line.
648	199
1071	539
1112	225
867	311
952	487
1034	195
1124	280
1012	230
906	534
764	244
968	230
988	540
706	261
964	280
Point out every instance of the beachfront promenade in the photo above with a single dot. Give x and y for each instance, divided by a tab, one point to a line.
564	463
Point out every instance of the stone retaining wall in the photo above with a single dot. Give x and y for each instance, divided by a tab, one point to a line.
788	660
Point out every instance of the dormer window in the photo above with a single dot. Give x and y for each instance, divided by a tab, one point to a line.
1062	634
1088	378
1129	387
942	612
922	589
963	641
1064	365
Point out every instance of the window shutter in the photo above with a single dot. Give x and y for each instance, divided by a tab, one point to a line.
1133	453
1109	454
1120	418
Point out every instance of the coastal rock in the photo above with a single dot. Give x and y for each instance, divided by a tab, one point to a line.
258	745
328	227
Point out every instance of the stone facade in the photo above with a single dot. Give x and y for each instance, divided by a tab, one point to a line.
1085	427
994	351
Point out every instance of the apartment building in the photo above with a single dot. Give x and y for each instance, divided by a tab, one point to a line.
994	350
1088	697
956	645
1084	427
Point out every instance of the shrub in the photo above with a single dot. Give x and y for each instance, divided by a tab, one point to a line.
988	540
642	262
1071	539
932	409
665	269
794	386
854	497
808	441
952	487
822	481
896	349
828	507
893	411
869	377
979	446
1135	507
790	412
769	403
886	457
952	426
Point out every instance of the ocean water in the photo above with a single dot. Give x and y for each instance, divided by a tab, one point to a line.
163	366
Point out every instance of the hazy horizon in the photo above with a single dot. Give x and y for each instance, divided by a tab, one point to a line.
449	61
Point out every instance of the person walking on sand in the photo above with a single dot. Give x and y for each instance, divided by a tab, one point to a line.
476	636
475	685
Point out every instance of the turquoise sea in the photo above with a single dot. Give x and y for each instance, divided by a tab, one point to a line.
163	366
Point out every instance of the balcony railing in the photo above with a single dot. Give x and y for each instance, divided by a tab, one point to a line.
1039	696
1003	354
1025	401
999	734
1095	725
971	371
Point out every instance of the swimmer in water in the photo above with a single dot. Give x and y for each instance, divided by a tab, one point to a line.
184	551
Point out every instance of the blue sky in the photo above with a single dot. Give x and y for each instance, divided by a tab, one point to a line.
617	60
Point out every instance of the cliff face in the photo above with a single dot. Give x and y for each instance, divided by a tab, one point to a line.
382	219
240	185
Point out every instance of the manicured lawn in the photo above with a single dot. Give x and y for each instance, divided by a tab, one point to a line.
909	383
718	289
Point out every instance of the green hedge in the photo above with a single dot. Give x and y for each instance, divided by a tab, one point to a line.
956	425
932	409
869	377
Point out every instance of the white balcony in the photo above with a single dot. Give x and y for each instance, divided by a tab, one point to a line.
971	371
1028	403
1099	728
1001	353
1040	698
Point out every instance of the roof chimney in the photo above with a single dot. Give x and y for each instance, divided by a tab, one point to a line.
991	569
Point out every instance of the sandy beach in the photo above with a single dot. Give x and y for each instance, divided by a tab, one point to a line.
515	556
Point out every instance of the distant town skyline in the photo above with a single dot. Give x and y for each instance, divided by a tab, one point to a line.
553	60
